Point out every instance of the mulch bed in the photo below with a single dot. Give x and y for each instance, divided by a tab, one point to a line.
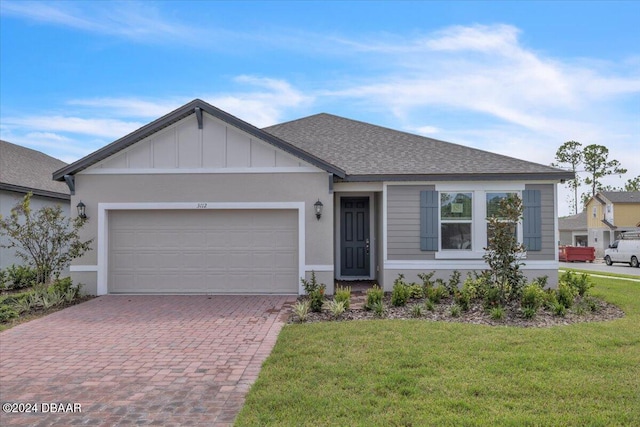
475	315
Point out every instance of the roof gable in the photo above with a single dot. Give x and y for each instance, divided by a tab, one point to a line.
25	170
195	108
363	149
215	146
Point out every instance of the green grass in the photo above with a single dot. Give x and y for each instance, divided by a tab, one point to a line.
603	273
412	372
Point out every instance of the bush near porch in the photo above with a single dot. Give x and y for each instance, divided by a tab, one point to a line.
412	372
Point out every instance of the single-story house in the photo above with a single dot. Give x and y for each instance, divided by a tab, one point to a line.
609	214
200	201
23	170
573	230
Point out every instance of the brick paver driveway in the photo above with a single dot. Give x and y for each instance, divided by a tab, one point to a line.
140	360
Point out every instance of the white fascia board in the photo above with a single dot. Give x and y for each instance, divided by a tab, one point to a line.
154	171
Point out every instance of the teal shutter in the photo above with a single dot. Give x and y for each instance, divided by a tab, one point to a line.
428	220
532	220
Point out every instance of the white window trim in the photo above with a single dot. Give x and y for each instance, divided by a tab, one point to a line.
478	232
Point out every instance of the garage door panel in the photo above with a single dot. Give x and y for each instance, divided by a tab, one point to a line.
224	251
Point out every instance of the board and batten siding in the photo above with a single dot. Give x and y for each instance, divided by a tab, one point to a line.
403	223
548	247
183	146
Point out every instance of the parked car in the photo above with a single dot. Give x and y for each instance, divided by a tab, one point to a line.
625	250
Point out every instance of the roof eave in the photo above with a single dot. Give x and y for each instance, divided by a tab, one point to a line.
35	191
179	114
460	177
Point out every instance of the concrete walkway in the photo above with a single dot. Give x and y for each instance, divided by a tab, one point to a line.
139	360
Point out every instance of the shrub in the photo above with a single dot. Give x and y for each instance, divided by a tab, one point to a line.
455	310
378	308
492	297
532	297
529	312
415	291
343	294
374	296
463	299
470	287
301	310
541	281
336	308
7	313
558	309
416	310
497	313
400	292
550	298
4	280
23	305
315	291
453	284
592	304
579	283
436	294
427	283
429	305
565	294
20	276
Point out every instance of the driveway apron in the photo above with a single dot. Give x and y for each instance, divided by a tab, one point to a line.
139	360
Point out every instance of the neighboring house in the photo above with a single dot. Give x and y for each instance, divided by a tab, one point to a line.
609	214
23	170
201	201
573	230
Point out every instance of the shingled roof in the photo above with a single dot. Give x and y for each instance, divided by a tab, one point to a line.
367	151
351	150
622	196
25	170
573	222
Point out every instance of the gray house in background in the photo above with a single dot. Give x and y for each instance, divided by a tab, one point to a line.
200	201
573	230
23	170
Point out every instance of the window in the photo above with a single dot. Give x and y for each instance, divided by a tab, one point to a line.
493	204
456	214
447	220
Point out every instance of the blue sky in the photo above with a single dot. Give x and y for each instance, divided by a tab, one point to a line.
517	78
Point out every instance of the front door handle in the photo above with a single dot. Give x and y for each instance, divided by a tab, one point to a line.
366	246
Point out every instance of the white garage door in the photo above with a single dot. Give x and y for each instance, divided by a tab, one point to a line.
217	251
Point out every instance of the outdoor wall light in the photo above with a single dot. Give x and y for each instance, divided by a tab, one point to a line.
82	210
318	208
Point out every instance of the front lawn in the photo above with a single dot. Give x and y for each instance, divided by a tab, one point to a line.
416	372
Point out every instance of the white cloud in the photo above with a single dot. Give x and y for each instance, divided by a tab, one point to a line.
107	128
139	21
265	106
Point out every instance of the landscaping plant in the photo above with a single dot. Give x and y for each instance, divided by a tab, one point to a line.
315	292
374	296
400	292
343	294
503	253
44	239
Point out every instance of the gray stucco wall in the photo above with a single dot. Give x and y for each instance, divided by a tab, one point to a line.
256	187
8	199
